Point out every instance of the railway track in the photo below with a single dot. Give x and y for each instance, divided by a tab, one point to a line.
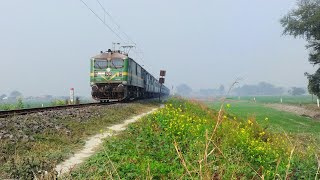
43	109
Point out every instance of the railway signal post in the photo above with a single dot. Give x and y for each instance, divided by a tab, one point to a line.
161	81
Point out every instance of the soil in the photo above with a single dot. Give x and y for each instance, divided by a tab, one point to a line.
307	111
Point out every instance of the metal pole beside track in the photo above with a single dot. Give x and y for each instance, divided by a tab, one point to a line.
161	81
160	93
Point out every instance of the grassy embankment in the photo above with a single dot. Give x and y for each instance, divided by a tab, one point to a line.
25	158
189	140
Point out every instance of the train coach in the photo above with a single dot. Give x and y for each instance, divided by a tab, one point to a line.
114	76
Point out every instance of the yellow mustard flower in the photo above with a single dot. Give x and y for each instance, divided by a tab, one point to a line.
262	133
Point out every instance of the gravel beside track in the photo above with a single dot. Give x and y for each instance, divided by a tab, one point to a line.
23	127
43	109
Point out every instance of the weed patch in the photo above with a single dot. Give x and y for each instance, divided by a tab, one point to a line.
188	140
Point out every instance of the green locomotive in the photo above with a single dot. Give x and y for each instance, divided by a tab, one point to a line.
114	76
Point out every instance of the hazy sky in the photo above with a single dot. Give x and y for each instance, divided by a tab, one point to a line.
45	45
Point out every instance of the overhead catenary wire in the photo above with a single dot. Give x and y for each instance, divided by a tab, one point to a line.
125	34
119	30
103	21
114	21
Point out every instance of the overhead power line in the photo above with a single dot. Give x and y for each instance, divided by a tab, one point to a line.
118	26
119	30
114	21
103	21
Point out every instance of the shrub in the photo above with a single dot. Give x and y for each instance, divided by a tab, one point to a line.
20	104
58	102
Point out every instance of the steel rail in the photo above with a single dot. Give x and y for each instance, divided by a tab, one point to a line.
44	109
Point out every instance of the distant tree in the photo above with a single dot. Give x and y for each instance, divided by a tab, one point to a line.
184	90
2	96
304	21
296	91
221	89
15	94
265	88
48	96
262	88
59	102
310	89
314	83
20	104
209	92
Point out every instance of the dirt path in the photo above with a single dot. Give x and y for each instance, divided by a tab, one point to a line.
299	110
93	143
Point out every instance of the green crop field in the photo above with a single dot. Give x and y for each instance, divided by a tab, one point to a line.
276	99
268	117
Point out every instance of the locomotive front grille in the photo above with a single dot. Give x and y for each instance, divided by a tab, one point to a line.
109	92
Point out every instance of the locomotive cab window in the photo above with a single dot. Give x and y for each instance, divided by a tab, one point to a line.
117	63
100	64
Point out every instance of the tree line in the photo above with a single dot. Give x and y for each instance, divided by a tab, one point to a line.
262	89
14	95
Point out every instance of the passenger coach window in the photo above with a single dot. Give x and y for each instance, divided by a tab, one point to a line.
100	64
117	63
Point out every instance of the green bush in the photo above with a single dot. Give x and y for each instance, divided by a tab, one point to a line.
20	104
7	107
58	102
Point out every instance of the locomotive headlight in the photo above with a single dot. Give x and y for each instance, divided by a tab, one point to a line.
108	73
120	74
95	74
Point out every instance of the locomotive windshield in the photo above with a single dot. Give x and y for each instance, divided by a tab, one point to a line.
100	64
117	63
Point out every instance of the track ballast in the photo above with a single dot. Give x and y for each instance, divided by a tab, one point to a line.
43	109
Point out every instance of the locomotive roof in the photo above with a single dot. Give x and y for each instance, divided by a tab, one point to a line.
110	55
